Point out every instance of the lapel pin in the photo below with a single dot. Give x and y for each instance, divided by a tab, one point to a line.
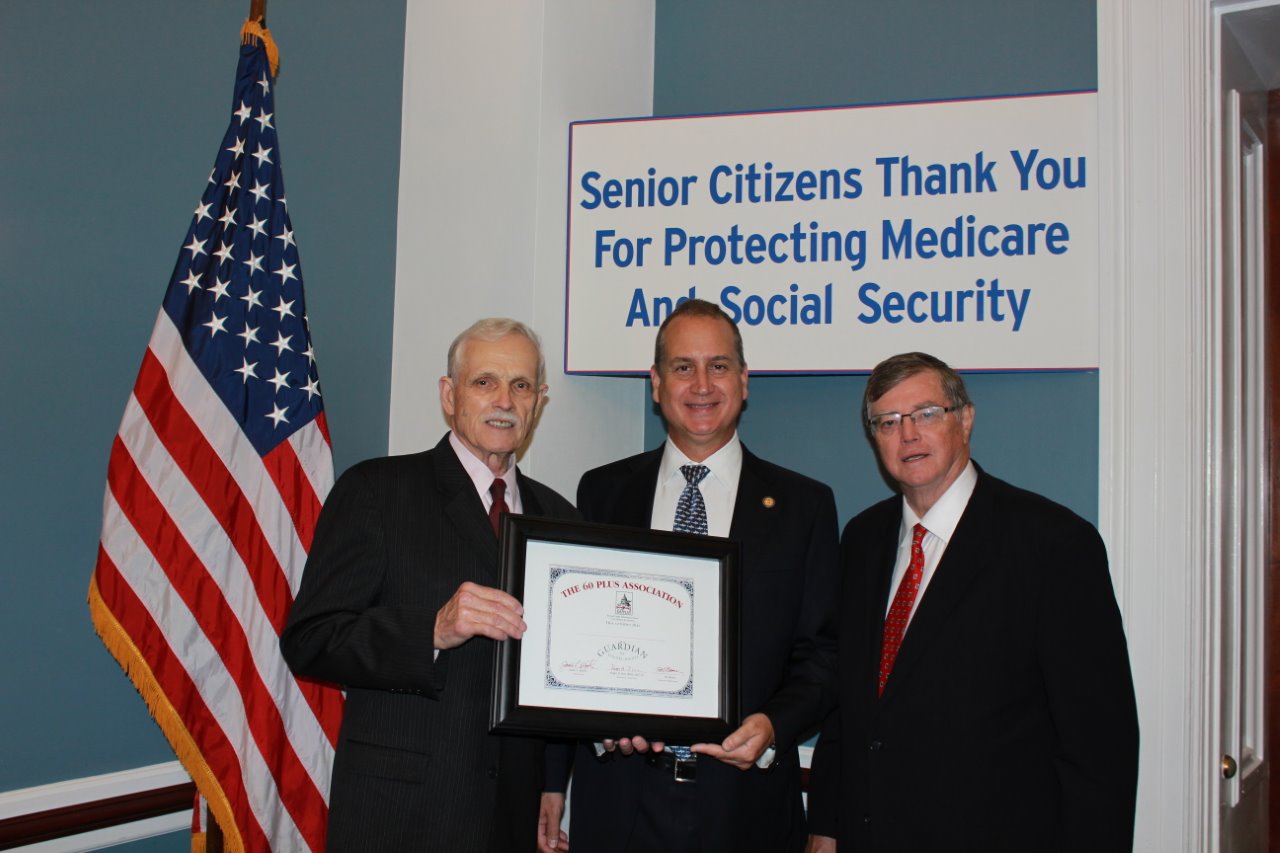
768	502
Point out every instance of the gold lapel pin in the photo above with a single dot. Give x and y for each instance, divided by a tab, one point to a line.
768	501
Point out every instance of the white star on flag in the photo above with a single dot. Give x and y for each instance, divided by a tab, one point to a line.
214	485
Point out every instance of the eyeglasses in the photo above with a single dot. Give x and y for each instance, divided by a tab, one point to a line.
924	418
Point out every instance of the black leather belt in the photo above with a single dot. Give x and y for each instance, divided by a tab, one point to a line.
682	769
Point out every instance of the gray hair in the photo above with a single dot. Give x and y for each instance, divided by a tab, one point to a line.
489	330
898	368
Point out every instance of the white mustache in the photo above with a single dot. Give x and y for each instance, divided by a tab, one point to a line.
502	418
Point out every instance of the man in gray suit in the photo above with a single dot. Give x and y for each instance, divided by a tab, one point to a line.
398	605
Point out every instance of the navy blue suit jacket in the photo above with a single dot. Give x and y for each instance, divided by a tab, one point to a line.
789	584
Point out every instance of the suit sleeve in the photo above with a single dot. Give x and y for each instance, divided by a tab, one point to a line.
807	694
1086	670
338	630
557	765
589	499
825	780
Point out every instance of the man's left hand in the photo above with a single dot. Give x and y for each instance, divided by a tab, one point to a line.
628	745
551	838
742	748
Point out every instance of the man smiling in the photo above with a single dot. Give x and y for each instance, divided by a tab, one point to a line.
742	794
985	698
398	604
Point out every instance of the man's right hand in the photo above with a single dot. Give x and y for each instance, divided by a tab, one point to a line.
478	611
551	838
820	844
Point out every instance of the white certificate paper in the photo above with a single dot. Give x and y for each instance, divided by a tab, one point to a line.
620	630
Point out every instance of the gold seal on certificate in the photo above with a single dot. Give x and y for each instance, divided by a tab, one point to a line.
629	631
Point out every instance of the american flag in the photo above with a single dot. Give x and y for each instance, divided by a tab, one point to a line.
214	485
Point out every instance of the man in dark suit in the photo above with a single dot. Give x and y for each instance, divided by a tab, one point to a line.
398	605
742	794
985	698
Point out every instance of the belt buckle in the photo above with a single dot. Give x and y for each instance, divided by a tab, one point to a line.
685	769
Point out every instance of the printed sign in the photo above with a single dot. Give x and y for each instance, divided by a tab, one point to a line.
837	237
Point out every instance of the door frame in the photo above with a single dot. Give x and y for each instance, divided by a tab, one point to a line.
1158	286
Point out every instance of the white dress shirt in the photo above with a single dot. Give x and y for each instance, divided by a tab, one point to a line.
719	488
940	522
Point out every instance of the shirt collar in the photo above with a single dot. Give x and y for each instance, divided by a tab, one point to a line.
725	464
944	516
479	472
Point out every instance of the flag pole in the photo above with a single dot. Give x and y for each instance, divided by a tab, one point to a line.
215	481
255	26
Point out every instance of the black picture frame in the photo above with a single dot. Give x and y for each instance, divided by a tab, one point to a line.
570	712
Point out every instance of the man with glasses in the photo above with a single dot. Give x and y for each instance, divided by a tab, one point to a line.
985	697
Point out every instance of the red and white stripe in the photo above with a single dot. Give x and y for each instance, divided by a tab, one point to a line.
202	549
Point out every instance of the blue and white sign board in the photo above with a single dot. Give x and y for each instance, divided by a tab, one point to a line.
837	237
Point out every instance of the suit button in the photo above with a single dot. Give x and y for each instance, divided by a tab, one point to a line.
875	746
493	772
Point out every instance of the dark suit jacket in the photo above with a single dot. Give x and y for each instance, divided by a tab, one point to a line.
415	767
789	583
1008	722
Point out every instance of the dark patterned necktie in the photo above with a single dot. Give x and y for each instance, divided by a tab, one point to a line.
895	624
691	517
499	505
691	512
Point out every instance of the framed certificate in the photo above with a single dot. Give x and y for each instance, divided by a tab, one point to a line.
631	632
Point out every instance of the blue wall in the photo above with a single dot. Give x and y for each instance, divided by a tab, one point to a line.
1039	431
110	117
110	114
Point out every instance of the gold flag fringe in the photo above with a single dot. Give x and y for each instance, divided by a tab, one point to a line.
254	29
135	666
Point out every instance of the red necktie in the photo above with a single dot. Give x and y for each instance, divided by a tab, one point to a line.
499	506
895	624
